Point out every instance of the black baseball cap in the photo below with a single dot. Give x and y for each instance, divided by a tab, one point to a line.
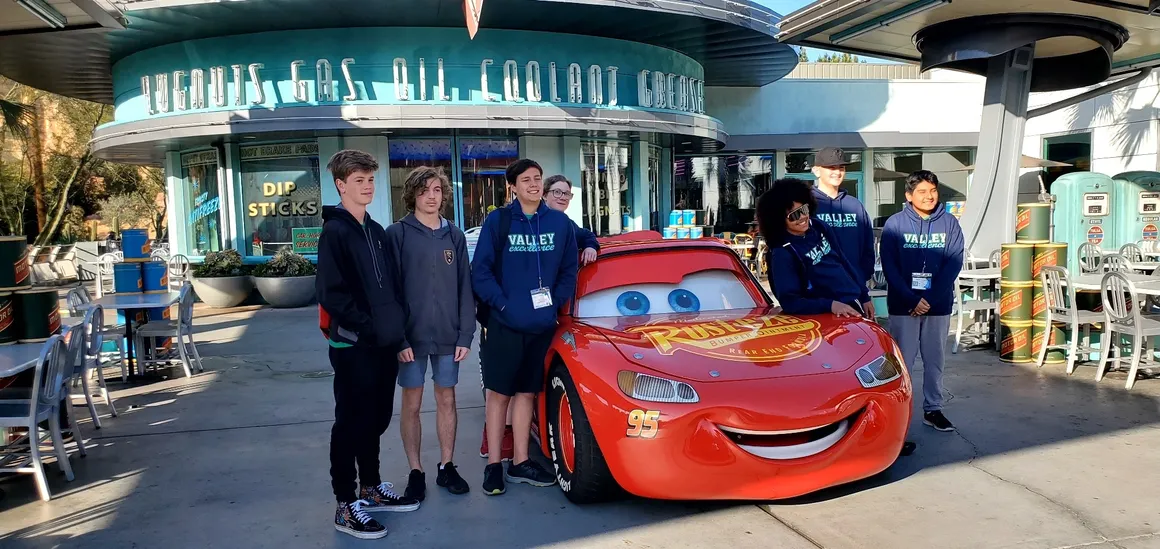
830	156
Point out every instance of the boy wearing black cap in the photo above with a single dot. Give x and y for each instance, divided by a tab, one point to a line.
844	214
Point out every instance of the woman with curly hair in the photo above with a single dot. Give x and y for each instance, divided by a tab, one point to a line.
808	273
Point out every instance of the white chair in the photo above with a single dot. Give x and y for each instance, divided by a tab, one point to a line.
1061	308
178	270
78	300
105	265
89	336
1091	258
1116	263
1132	252
43	404
181	329
1117	292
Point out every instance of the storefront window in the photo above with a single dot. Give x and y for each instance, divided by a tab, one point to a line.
605	186
1074	149
199	175
483	163
892	167
654	187
723	190
282	194
408	154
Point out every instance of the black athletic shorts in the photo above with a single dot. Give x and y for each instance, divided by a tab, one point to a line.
513	362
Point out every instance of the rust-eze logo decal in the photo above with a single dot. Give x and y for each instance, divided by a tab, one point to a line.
1023	221
6	316
762	339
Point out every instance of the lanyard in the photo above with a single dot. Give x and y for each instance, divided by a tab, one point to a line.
539	270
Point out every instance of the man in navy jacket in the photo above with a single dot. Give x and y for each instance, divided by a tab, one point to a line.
922	254
844	214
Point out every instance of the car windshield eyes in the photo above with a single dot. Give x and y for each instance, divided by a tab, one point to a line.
684	301
632	303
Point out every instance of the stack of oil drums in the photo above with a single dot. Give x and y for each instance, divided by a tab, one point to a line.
1022	305
139	274
27	314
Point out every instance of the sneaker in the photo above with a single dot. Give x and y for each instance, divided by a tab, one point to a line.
493	479
907	448
937	420
507	451
416	485
529	472
449	478
351	518
383	498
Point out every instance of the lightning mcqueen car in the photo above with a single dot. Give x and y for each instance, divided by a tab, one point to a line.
673	376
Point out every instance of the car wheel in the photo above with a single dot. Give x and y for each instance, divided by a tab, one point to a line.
580	467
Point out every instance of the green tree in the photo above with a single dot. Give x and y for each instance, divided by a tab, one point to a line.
803	57
71	162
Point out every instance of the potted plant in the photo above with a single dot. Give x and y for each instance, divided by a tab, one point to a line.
286	280
221	280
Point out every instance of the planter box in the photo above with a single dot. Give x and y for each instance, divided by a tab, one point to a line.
286	292
223	292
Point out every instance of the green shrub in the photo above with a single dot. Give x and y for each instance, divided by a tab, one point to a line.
220	264
285	263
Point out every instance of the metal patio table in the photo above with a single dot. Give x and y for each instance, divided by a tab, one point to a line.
132	302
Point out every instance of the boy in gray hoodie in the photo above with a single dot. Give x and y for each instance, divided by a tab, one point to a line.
435	285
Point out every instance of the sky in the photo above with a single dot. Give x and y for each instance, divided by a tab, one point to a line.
785	7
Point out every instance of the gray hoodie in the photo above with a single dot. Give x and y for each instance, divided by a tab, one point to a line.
435	285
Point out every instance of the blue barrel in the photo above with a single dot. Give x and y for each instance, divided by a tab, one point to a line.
156	276
682	232
670	232
159	313
697	232
127	278
135	243
137	315
690	217
675	218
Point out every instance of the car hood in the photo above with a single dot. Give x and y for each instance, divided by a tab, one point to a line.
739	344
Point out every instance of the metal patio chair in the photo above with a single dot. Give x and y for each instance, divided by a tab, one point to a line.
1061	308
1116	263
1120	319
89	337
180	330
1091	258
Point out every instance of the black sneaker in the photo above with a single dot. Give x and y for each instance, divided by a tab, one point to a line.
529	472
449	478
383	498
937	420
351	518
493	479
416	485
907	448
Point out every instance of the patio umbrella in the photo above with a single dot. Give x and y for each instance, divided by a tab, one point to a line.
883	174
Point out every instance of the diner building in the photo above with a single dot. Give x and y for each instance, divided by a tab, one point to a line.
645	107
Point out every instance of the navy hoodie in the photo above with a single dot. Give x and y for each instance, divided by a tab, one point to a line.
852	229
810	273
585	238
911	244
539	249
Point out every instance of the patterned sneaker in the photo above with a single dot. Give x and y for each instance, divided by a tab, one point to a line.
493	479
416	485
351	518
449	478
529	472
383	498
937	420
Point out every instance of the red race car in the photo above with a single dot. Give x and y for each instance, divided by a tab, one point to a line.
673	376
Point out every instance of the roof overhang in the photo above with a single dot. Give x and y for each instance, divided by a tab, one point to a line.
734	40
889	28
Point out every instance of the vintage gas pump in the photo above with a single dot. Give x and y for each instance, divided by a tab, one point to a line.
1139	206
1084	205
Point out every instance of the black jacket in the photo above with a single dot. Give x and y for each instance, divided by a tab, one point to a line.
357	281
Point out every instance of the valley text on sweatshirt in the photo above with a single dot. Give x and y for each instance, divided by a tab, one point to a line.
810	273
932	246
540	252
852	229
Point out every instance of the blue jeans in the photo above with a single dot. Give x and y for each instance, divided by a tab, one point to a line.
444	371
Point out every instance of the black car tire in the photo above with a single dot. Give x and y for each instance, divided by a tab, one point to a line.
591	481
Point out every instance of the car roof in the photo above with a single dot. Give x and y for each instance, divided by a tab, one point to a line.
652	240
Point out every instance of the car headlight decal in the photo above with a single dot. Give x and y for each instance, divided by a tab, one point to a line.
879	371
655	389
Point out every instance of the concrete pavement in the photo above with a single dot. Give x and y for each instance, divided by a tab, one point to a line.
237	456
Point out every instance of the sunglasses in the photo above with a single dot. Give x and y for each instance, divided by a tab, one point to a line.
799	212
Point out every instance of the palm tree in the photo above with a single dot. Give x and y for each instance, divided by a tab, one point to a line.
18	118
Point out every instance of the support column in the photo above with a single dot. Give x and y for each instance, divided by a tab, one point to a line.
638	190
989	219
175	201
327	146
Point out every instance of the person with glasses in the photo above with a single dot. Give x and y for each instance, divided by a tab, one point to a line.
558	197
809	273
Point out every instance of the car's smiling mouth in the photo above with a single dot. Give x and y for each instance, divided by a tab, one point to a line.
789	444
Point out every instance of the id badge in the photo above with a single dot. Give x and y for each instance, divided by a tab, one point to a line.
541	298
920	281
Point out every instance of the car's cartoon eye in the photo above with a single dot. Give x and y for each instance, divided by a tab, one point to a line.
684	301
632	303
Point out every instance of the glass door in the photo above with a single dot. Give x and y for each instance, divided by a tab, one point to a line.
483	164
406	155
605	186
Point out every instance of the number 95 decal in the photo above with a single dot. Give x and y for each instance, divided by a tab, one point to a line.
643	423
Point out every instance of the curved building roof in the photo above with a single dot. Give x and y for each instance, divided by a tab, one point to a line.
734	40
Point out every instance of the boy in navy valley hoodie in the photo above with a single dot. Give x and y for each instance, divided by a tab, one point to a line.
922	254
844	214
